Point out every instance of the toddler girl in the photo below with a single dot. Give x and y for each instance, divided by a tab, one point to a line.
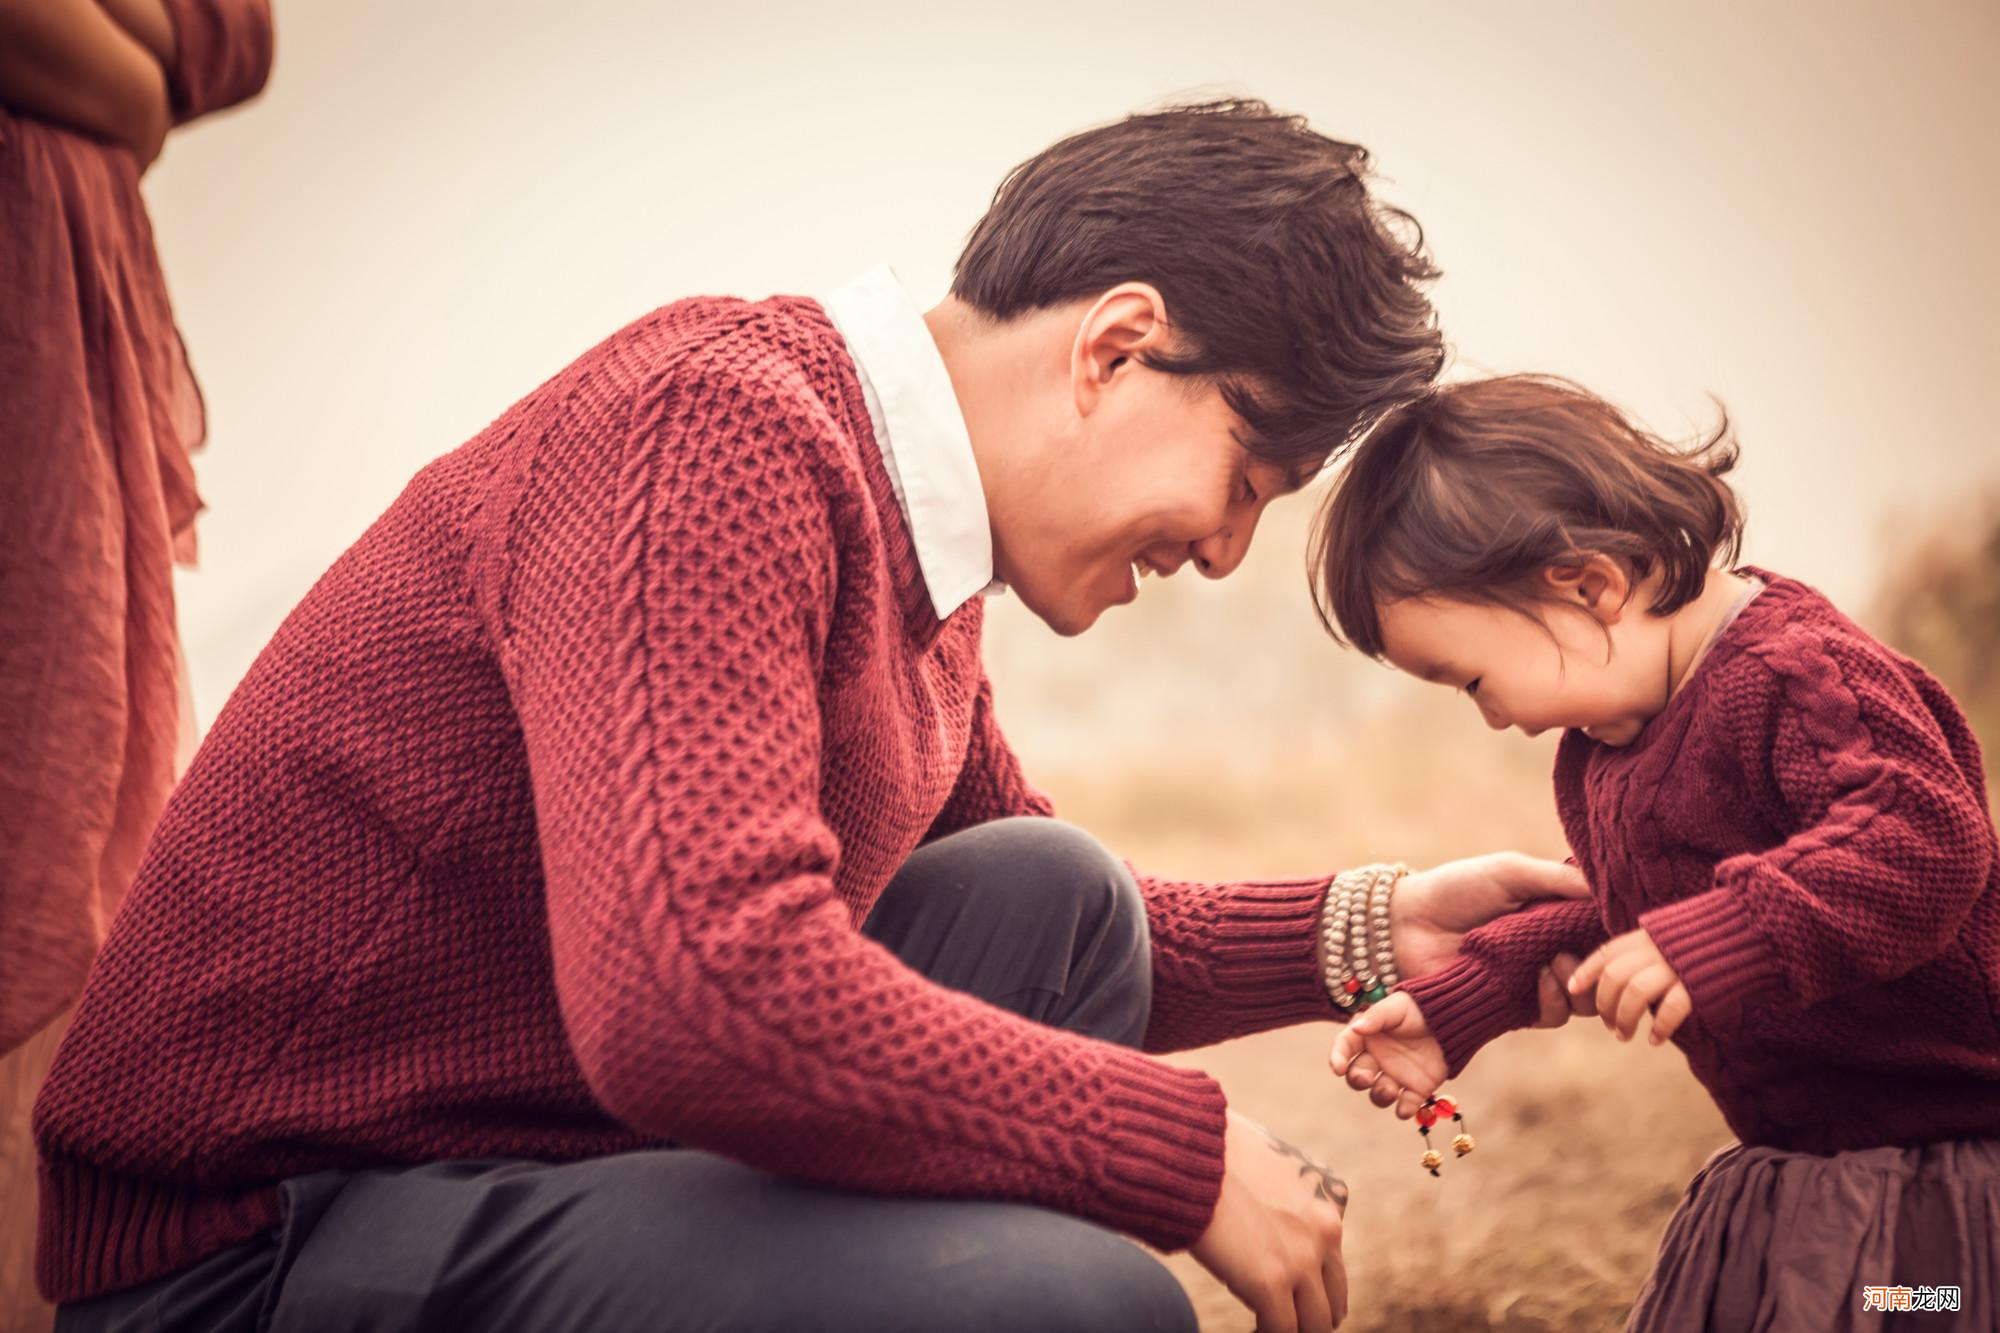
1783	822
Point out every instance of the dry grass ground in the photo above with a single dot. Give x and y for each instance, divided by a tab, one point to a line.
1584	1143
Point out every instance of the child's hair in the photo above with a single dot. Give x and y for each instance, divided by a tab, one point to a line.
1471	490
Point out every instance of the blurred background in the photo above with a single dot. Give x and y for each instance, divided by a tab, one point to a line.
437	205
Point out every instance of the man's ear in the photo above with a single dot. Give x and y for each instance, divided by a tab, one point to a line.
1597	584
1129	319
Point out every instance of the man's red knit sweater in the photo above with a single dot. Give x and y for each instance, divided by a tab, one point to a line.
544	827
1804	834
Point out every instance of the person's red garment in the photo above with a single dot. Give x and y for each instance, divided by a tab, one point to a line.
98	414
545	827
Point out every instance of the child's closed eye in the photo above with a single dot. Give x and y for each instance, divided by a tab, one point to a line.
1472	686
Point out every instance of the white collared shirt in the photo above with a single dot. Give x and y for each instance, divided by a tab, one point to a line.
925	446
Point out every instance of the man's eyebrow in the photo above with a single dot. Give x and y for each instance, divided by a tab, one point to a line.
1296	479
1297	476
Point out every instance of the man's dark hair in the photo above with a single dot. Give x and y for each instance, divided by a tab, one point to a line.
1469	491
1285	283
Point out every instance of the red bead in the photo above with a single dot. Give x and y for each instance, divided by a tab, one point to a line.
1446	1106
1426	1116
1353	984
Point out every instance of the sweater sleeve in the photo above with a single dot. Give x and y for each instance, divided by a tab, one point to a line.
667	598
1493	985
1229	959
222	54
1890	841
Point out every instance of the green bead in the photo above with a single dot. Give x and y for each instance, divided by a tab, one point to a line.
1376	994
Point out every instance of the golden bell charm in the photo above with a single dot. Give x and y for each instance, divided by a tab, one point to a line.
1432	1160
1462	1144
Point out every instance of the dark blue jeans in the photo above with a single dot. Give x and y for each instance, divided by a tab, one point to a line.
1030	915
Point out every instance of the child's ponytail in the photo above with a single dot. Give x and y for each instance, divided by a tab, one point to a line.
1691	514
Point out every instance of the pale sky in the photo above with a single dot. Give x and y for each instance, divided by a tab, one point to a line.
437	205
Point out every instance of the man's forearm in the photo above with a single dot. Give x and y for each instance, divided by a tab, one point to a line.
71	62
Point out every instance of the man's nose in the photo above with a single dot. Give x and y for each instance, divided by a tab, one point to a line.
1218	554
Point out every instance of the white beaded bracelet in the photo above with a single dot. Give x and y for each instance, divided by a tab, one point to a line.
1384	956
1355	935
1336	916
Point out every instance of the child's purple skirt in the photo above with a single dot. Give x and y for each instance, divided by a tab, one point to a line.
1766	1240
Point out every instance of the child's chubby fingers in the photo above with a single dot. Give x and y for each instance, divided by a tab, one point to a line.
1353	1040
1625	951
1593	977
1362	1072
1409	1104
1395	1016
1673	1011
1402	1007
1348	1045
1584	979
1365	1074
1619	970
1609	991
1386	1092
1577	1001
1646	986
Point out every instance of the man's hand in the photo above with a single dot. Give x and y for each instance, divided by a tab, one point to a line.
1433	909
1558	1002
1390	1041
1629	976
1274	1239
1431	912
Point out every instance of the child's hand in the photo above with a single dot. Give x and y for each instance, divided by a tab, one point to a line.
1395	1035
1631	976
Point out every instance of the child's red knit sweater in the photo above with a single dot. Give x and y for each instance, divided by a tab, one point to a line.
1803	831
544	827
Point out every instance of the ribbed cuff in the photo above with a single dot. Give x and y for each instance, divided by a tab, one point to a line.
1262	959
1465	1006
1720	957
1163	1159
98	1232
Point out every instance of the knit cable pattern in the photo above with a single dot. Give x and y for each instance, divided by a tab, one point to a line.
545	825
1804	833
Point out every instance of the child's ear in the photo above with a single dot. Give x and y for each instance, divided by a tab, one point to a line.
1597	584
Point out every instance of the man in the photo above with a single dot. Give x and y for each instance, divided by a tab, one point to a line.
609	901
